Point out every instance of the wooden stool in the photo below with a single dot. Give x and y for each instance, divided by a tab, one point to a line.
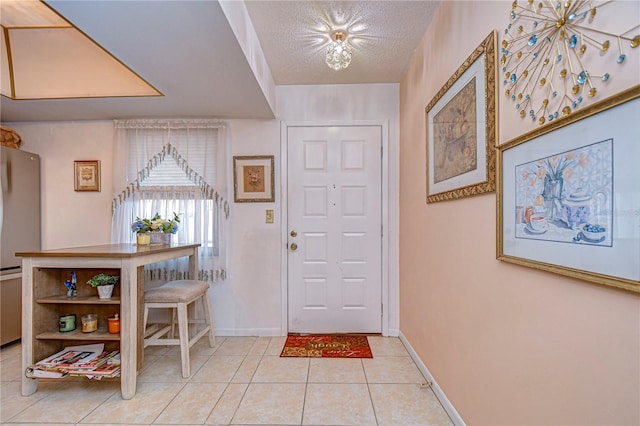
178	295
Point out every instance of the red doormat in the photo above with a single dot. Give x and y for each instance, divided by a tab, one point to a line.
327	346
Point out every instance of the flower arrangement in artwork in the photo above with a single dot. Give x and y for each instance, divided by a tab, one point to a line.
567	197
156	224
549	175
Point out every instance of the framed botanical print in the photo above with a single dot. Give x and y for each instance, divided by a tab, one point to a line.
567	195
87	175
253	179
461	129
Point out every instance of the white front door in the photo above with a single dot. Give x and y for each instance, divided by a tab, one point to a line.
334	229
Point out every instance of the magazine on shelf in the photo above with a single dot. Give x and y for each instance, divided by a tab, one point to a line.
108	367
104	371
35	372
73	356
96	362
87	360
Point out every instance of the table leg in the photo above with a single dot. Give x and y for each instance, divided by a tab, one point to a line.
128	330
29	386
193	264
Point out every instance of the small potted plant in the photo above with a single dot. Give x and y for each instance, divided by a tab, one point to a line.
155	230
104	284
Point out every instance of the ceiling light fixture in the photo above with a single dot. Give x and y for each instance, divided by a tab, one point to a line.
338	52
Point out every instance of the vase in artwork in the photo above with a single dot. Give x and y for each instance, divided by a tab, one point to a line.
553	195
105	291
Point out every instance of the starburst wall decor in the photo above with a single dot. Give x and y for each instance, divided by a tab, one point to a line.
546	49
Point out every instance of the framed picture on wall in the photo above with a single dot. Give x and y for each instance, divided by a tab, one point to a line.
253	179
567	195
461	129
87	175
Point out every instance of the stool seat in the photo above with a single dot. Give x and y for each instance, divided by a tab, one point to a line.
178	295
179	291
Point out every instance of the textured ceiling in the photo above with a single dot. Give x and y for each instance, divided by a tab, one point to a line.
189	52
384	35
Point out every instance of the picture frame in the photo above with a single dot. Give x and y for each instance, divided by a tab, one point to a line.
253	179
567	195
462	129
87	175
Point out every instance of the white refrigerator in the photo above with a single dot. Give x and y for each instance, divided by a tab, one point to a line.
19	231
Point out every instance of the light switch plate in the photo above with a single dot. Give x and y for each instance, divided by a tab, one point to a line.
269	216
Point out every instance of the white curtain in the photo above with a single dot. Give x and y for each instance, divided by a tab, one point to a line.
167	166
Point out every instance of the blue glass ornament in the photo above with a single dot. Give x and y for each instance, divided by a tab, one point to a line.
573	41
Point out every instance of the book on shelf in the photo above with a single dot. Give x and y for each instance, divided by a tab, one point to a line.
86	360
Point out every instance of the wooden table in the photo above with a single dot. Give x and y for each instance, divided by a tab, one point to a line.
43	298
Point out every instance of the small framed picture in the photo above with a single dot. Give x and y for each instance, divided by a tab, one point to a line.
253	179
87	175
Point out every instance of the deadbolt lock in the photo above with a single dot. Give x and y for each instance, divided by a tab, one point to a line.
294	234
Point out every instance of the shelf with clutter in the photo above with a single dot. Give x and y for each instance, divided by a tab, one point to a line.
67	308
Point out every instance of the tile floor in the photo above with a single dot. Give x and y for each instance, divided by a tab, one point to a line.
241	381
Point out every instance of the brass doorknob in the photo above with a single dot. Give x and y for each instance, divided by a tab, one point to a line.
293	246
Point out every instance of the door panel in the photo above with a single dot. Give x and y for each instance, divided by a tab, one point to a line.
334	261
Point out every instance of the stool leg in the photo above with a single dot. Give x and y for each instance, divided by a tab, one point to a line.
144	322
209	319
173	323
183	329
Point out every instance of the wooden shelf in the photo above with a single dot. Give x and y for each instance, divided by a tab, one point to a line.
77	334
79	300
44	298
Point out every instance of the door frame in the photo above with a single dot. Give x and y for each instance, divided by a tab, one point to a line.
284	203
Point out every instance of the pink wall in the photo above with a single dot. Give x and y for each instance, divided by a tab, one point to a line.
507	344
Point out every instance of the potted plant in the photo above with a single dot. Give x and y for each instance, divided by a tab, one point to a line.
104	284
155	230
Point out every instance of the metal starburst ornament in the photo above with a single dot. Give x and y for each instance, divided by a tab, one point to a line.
546	52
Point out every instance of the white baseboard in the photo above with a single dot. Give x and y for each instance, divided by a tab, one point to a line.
446	404
251	332
269	332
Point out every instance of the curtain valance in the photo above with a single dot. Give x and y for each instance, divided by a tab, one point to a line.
168	150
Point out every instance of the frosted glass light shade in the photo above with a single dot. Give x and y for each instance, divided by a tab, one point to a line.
339	53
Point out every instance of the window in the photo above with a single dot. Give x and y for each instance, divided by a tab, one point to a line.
171	166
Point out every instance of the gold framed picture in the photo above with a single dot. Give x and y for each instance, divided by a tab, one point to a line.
87	175
253	179
461	129
567	195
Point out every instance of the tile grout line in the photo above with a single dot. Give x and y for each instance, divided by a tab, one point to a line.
225	388
235	412
306	388
244	393
172	399
373	406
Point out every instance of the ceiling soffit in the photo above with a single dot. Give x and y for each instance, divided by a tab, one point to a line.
45	57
